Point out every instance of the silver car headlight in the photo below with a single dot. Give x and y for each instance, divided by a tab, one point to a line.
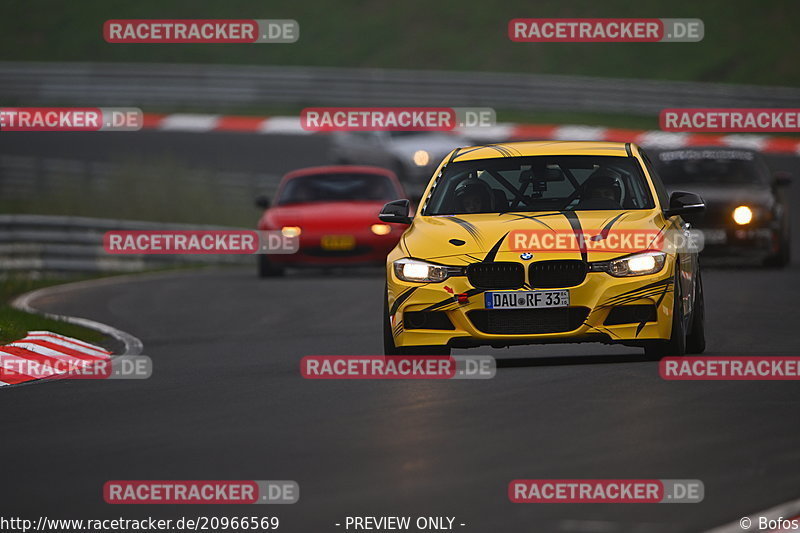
637	264
420	271
421	158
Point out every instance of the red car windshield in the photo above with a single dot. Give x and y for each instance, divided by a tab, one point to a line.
337	188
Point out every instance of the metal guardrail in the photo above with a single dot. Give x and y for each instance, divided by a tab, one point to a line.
27	176
62	244
222	87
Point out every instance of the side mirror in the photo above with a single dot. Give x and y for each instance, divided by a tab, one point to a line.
684	203
782	178
262	202
396	211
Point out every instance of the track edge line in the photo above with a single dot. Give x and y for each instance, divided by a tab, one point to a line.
133	345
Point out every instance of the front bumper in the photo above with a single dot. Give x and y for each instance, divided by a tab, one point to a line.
591	302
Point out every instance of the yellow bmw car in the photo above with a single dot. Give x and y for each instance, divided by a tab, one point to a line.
544	242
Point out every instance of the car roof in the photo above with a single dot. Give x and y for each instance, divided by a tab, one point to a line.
533	148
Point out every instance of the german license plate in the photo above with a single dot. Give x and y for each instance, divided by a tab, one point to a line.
338	242
526	299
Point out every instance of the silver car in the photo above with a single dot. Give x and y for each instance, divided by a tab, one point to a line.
412	155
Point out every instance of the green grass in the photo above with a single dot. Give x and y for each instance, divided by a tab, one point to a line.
745	41
15	324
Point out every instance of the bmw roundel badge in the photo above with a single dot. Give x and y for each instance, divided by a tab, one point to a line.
526	256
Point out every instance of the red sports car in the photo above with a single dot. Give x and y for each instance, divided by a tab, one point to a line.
334	212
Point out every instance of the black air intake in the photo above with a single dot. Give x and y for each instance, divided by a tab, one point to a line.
500	275
528	321
557	274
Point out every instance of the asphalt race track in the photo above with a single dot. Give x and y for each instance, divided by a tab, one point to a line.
226	401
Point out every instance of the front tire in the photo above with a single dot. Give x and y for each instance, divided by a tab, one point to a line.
696	340
676	345
388	339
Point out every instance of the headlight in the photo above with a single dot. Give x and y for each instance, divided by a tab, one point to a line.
291	231
742	215
421	158
635	265
419	271
381	229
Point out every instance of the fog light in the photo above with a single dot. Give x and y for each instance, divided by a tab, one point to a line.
742	215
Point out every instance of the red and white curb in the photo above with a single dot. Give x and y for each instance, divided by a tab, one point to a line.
50	353
39	345
204	123
131	345
200	123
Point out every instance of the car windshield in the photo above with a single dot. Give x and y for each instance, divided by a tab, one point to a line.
337	188
717	167
540	183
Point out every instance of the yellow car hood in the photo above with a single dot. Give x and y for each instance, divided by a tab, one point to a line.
442	236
